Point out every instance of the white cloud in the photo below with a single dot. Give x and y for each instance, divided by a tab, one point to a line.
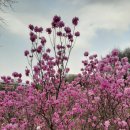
17	23
14	25
109	16
94	15
112	15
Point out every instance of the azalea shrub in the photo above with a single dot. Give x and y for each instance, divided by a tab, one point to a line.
97	99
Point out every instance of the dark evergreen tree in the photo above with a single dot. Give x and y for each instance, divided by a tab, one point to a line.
125	53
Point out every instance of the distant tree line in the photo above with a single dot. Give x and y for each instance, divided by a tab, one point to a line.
70	77
122	53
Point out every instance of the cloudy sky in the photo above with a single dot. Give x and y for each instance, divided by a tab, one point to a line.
104	25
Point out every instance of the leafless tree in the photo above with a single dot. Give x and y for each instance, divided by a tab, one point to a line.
5	4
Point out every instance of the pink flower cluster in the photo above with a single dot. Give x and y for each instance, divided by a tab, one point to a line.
97	99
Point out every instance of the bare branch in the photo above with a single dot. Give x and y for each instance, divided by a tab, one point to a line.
5	4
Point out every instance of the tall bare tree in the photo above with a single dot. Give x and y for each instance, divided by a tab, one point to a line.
5	4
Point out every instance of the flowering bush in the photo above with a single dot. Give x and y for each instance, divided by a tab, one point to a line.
97	99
